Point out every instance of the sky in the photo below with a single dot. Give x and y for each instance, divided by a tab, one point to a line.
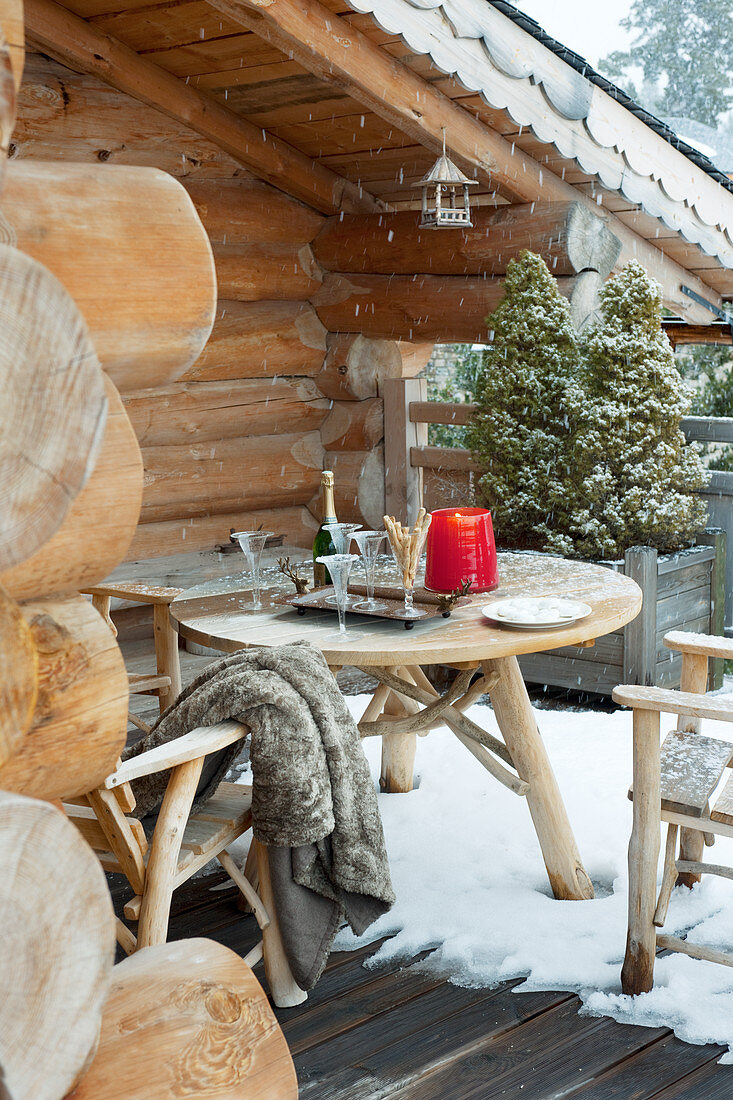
591	29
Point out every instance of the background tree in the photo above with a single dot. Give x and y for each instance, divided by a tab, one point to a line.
458	388
683	50
709	368
634	474
527	401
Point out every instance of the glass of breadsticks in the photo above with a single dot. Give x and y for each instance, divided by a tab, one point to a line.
407	544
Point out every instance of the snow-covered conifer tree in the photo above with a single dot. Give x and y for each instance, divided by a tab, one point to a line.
634	474
527	399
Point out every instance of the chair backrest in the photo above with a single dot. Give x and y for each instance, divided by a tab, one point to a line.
119	840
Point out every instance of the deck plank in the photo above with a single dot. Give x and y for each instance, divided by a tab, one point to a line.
710	1082
644	1074
546	1056
393	1050
381	994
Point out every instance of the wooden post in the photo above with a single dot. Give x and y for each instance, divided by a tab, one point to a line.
716	537
516	720
403	483
637	975
166	654
640	635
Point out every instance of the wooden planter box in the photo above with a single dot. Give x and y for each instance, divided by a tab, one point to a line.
683	591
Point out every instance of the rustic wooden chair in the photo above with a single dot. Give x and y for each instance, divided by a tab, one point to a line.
166	681
182	843
675	785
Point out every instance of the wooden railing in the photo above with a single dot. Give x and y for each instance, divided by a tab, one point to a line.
415	471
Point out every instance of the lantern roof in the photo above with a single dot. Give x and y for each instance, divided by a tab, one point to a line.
445	171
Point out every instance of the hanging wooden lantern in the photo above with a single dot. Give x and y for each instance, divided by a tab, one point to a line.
445	201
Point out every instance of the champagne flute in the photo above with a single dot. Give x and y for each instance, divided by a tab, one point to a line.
369	543
252	544
341	535
339	566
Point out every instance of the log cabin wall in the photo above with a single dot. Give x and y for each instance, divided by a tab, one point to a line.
241	438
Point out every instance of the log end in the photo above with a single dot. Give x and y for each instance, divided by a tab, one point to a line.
53	409
57	951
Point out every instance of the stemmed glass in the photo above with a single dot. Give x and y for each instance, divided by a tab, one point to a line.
341	535
252	544
339	566
407	555
369	543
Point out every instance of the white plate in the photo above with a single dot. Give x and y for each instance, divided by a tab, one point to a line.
536	612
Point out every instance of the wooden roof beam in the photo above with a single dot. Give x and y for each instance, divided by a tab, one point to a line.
72	41
441	308
338	53
566	234
680	333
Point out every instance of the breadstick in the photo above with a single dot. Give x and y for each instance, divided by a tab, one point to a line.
424	520
415	545
405	557
391	531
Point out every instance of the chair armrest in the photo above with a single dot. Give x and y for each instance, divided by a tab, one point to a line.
135	592
708	645
191	746
717	707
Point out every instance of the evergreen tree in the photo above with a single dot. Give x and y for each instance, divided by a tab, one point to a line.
683	49
527	402
635	474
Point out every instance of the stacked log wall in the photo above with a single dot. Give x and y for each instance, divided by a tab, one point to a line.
241	437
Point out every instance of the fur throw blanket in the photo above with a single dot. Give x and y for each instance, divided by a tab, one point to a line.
313	799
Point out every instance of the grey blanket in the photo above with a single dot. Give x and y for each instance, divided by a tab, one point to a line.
313	800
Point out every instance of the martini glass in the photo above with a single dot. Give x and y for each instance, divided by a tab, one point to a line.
341	535
369	543
252	544
339	566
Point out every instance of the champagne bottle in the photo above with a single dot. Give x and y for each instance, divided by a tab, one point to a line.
322	543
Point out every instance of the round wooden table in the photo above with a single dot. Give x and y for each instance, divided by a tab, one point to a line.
218	614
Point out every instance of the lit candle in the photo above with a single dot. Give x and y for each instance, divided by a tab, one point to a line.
461	547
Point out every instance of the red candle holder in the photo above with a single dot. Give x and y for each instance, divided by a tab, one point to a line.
461	547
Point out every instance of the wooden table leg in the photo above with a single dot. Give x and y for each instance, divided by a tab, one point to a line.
398	749
516	721
637	974
166	654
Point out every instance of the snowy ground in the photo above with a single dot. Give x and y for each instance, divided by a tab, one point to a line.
470	881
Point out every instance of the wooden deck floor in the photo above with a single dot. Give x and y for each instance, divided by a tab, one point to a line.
399	1032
